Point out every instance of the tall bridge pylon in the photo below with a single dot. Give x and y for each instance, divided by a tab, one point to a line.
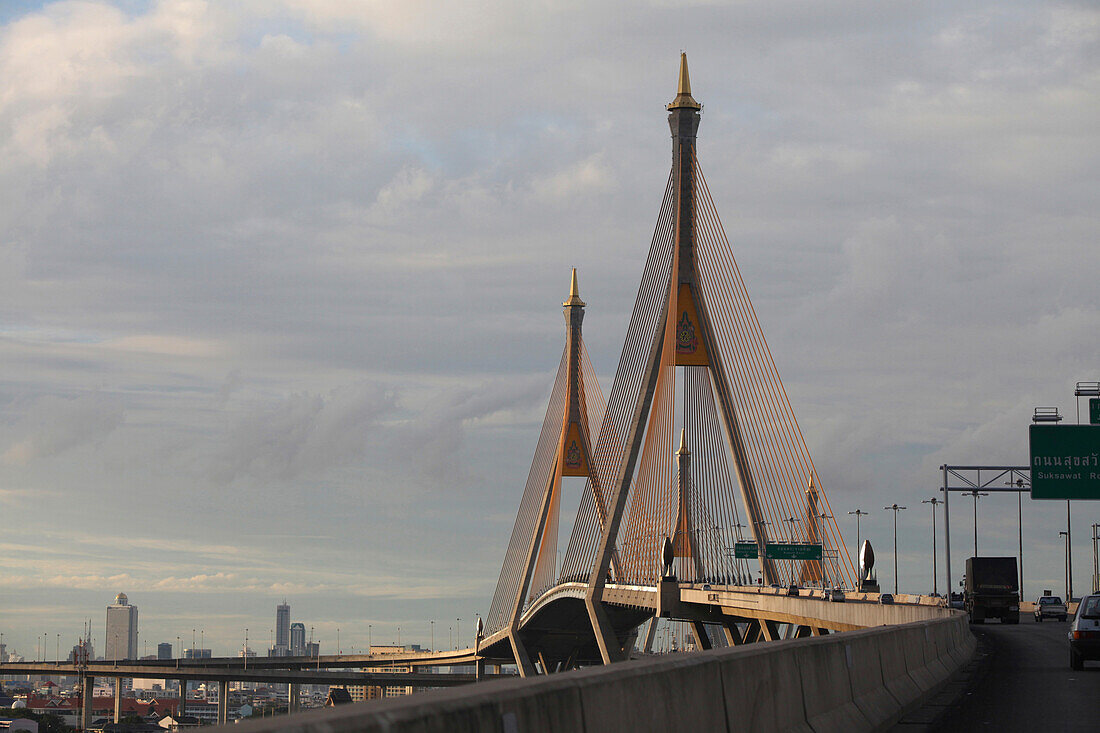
695	363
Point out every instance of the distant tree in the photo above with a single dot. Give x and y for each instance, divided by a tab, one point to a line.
47	722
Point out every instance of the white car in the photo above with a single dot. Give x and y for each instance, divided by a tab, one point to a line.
1084	632
1050	607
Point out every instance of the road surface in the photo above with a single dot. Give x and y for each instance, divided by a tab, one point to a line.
1028	685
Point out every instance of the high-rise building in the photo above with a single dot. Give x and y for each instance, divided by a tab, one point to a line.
297	640
197	654
164	650
122	629
282	629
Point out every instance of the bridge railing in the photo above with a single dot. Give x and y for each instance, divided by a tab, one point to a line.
862	680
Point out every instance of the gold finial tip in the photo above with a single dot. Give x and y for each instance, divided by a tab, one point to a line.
574	292
685	82
683	442
684	100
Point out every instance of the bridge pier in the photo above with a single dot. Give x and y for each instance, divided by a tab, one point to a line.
523	661
223	702
733	634
183	699
699	631
294	697
650	635
86	703
118	699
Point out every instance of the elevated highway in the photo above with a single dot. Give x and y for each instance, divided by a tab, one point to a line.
554	626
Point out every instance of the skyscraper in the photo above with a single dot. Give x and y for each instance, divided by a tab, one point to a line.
122	629
164	650
282	629
297	640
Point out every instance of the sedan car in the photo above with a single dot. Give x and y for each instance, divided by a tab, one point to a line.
1084	632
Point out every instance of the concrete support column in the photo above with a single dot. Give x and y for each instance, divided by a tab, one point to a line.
702	641
118	699
183	699
294	692
86	703
223	702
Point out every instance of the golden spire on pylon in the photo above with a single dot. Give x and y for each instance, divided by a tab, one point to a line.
683	444
684	100
574	293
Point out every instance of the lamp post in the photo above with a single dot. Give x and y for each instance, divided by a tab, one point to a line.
977	495
858	513
432	622
934	502
896	509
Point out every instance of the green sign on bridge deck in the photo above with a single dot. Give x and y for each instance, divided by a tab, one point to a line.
1065	461
778	551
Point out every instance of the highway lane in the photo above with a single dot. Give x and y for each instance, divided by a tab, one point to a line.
1028	685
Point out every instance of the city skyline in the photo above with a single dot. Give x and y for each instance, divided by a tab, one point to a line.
305	351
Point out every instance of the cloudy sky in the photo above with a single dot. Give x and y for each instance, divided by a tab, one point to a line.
280	280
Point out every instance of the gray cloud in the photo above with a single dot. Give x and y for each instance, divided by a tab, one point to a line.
52	425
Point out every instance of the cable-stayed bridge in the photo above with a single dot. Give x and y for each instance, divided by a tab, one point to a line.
696	450
695	454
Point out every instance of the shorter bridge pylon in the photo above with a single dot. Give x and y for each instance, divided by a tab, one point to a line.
564	449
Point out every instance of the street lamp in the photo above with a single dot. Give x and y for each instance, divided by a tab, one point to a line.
977	495
934	502
858	513
791	521
896	509
432	622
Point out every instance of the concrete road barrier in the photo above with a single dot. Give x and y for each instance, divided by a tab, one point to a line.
895	675
869	692
763	689
857	680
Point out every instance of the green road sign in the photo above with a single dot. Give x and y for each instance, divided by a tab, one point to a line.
793	552
1065	461
1094	410
744	550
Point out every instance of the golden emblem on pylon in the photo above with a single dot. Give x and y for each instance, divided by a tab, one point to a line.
573	455
686	340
